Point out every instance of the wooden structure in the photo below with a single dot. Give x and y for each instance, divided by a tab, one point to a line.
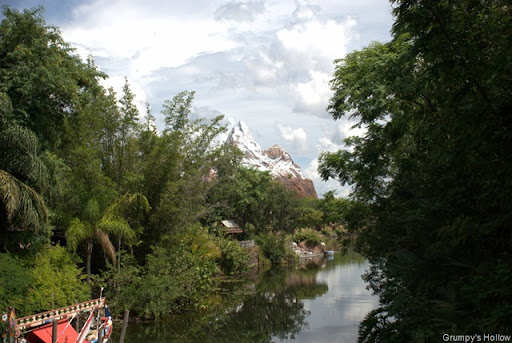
247	244
230	228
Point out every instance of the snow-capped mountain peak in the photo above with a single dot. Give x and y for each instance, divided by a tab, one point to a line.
243	139
274	159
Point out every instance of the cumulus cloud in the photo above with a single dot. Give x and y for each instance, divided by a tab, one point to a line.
239	11
297	137
150	40
312	96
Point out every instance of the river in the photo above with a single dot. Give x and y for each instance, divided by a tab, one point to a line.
319	301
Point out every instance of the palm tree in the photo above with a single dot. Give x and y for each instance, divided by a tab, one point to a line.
122	216
96	226
19	202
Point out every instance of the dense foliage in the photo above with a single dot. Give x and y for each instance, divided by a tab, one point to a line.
50	279
432	172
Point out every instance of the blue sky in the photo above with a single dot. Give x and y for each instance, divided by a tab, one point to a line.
266	62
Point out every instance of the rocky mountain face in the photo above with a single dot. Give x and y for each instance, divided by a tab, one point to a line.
274	159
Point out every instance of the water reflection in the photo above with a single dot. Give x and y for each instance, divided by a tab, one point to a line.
335	316
319	301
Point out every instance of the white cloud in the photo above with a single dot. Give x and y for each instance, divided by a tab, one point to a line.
297	137
150	42
240	11
313	43
312	96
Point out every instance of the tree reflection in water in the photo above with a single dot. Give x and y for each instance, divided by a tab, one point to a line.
246	313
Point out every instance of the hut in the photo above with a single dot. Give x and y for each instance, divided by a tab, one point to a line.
230	228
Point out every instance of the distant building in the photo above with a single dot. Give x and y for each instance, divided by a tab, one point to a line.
230	228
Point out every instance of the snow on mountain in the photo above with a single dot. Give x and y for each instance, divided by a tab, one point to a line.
274	159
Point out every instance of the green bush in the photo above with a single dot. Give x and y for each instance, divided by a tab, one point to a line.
56	281
124	286
51	279
272	247
233	259
329	232
178	276
15	280
312	237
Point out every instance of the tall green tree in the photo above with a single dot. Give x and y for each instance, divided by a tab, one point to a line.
41	80
181	167
432	168
129	128
40	74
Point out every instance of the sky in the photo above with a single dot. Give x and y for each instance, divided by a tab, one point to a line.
266	62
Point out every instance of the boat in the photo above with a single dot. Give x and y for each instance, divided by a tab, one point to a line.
55	326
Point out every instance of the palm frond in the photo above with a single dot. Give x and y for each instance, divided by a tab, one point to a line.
22	158
22	201
130	202
117	216
106	244
78	232
117	226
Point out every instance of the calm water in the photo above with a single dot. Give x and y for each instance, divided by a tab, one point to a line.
320	301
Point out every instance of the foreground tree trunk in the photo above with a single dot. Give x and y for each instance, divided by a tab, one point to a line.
88	261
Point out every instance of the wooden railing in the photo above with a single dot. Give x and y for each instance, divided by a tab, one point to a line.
27	322
247	244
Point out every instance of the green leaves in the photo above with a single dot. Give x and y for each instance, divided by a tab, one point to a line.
37	283
434	103
21	201
176	112
39	74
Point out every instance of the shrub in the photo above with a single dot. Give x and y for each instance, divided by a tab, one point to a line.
329	232
51	279
272	247
312	237
56	281
15	280
233	259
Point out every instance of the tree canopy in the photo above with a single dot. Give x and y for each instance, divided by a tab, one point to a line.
433	168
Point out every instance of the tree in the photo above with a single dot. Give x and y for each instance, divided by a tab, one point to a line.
181	168
40	84
40	74
97	225
20	166
431	170
127	140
